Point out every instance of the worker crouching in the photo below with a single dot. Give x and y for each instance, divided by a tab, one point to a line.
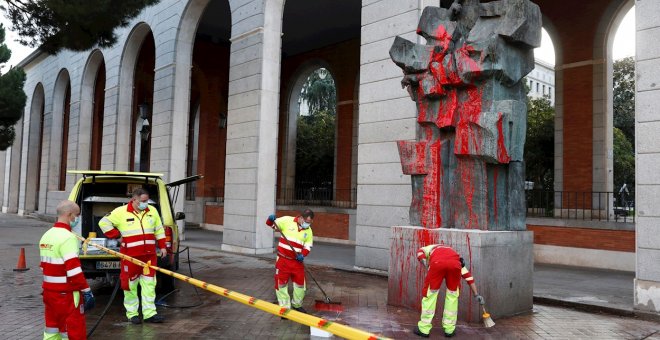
443	263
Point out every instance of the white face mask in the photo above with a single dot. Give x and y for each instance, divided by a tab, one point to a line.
142	205
305	225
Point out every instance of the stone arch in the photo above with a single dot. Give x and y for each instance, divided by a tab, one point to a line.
604	105
59	132
88	106
34	151
289	130
125	101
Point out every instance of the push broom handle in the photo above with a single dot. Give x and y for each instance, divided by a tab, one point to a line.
327	299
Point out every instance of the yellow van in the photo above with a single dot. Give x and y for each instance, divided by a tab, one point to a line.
99	192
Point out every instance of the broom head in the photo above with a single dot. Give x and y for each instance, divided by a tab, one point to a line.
329	306
488	322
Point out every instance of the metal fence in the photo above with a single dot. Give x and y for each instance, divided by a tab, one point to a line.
318	196
576	205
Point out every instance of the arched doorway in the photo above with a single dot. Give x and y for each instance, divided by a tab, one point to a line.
207	120
141	114
59	143
91	113
34	150
328	46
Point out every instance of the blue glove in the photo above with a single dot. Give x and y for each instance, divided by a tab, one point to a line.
271	217
89	299
300	257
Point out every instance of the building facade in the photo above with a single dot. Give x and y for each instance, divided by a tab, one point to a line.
212	86
541	81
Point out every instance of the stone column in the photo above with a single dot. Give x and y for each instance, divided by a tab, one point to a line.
252	127
386	114
647	157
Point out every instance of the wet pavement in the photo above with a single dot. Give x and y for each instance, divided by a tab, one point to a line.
362	295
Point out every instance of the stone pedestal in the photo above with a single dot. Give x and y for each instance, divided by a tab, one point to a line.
502	263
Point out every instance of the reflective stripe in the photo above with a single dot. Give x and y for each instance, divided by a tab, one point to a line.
147	278
287	247
69	256
51	330
449	313
64	335
52	260
105	224
139	243
130	301
74	271
133	232
54	279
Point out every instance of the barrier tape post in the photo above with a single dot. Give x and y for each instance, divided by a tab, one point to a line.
293	315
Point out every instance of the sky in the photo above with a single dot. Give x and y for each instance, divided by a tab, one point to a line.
624	42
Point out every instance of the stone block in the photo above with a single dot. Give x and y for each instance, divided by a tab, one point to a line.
372	51
382	90
242	145
647	207
382	173
385	195
647	232
390	27
376	215
645	104
370	257
646	16
247	24
646	137
647	264
647	75
403	129
385	152
501	263
647	170
390	109
382	10
377	237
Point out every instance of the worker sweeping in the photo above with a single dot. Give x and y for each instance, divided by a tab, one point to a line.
66	293
295	244
443	263
140	227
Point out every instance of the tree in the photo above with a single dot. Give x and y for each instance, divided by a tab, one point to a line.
77	25
315	141
540	143
12	97
624	161
624	97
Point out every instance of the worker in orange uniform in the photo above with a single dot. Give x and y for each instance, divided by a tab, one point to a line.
443	263
140	228
63	279
295	243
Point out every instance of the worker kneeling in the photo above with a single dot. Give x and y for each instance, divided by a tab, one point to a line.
295	243
443	263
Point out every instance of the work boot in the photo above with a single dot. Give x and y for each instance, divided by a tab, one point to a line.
155	319
300	309
449	335
135	320
418	332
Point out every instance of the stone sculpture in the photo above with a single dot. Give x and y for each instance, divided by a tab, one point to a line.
467	163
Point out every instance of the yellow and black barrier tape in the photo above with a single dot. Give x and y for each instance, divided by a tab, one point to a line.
293	315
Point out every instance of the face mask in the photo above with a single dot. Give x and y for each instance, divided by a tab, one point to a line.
75	222
305	225
142	205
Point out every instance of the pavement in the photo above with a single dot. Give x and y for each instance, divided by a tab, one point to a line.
362	295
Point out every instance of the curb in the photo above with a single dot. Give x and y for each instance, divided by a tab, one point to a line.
630	313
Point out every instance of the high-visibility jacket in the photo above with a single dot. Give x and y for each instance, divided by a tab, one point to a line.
446	252
139	230
60	265
300	239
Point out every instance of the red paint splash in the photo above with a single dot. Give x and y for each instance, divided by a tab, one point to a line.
502	154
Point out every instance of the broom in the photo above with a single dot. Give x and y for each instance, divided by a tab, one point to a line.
488	322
